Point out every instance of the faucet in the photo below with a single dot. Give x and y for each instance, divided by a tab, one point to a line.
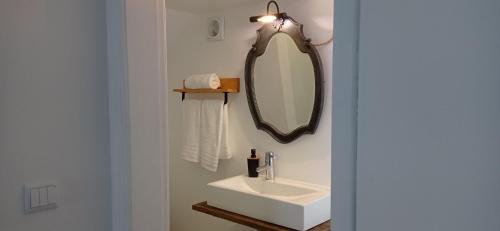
268	166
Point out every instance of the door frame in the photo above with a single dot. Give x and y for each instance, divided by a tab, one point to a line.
127	54
345	114
138	114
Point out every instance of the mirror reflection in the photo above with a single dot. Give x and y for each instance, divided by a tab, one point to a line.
284	84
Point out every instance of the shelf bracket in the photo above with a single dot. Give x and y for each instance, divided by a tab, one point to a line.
183	95
225	98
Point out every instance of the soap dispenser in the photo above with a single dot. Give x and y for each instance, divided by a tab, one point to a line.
253	164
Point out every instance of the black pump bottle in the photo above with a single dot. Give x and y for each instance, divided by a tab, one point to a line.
253	164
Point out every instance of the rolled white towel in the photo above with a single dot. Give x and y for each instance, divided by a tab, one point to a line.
201	81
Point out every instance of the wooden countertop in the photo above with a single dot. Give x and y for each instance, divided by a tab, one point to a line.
249	221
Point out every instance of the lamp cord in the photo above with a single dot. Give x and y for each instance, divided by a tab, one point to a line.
323	43
269	5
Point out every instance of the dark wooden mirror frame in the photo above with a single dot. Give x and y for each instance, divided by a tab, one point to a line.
294	29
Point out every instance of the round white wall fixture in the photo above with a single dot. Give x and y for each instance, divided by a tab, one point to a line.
215	28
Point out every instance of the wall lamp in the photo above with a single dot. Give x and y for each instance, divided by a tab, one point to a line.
268	18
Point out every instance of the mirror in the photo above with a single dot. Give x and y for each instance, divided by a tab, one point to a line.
284	82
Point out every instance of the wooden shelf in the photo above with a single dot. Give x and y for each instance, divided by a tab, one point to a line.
249	221
228	85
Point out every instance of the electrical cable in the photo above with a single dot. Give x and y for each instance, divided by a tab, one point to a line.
323	43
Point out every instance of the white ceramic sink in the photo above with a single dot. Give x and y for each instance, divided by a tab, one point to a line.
288	203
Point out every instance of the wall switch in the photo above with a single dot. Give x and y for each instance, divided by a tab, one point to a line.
52	194
43	196
39	197
34	198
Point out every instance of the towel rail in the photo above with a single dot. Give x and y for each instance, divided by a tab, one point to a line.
225	97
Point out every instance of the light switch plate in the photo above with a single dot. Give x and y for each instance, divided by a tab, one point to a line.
40	197
43	196
52	194
34	197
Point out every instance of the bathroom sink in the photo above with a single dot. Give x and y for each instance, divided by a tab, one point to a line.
293	204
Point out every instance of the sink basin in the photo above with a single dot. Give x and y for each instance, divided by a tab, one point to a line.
293	204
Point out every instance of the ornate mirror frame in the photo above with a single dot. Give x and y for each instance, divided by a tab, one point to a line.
295	30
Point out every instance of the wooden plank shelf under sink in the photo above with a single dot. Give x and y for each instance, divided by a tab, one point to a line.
249	221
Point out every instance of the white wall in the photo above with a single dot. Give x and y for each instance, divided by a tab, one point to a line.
307	158
54	112
429	109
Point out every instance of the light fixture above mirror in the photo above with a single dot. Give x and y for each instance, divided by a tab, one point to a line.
269	17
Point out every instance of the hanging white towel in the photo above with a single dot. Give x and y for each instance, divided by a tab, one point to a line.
191	112
201	81
211	133
225	151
